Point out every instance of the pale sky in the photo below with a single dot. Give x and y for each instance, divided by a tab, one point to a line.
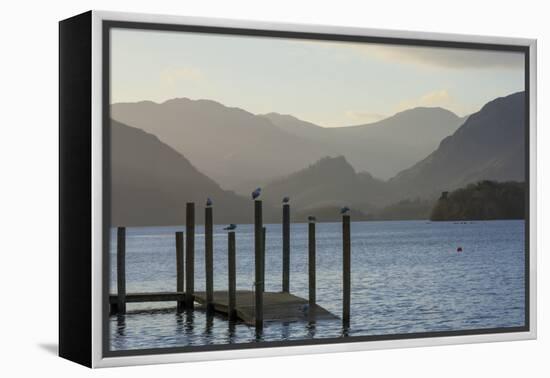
325	82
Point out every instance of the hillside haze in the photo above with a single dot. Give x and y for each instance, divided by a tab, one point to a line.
489	146
235	148
152	180
240	150
329	183
151	184
381	148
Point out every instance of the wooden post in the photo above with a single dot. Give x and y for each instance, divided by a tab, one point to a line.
190	255
286	248
258	252
347	269
179	267
232	285
209	257
264	232
121	270
311	270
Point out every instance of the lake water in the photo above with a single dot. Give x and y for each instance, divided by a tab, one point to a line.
407	277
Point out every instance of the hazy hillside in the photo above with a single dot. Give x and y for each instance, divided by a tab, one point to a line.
330	182
240	150
235	148
152	180
489	146
151	184
382	148
486	200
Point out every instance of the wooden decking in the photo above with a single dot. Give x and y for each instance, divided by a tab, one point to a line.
279	306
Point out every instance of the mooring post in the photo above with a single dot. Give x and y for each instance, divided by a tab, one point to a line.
179	267
258	262
286	248
264	232
121	270
232	285
311	269
347	269
209	257
189	255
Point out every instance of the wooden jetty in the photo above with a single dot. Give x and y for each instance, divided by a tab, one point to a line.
280	306
253	307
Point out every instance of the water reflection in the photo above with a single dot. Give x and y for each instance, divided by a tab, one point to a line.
189	321
285	330
209	323
121	325
179	323
310	330
231	335
258	335
345	331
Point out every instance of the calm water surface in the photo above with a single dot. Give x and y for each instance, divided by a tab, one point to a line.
407	277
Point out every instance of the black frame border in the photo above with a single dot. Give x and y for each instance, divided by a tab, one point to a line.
108	25
75	189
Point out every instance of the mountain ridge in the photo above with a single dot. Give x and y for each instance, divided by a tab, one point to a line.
243	149
488	146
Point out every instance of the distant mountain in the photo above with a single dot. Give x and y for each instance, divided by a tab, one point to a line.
240	150
329	183
485	200
151	183
489	146
234	147
382	148
296	126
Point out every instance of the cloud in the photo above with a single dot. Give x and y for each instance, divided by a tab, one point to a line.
172	76
440	98
441	57
363	117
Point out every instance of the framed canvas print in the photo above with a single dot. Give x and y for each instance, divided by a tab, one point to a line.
232	189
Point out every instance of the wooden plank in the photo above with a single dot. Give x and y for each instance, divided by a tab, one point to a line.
278	306
150	297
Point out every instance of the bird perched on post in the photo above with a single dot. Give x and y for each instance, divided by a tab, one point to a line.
344	210
286	199
208	202
311	218
256	193
231	227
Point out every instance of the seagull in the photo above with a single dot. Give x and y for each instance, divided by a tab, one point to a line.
231	227
286	199
311	218
256	193
209	202
344	210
